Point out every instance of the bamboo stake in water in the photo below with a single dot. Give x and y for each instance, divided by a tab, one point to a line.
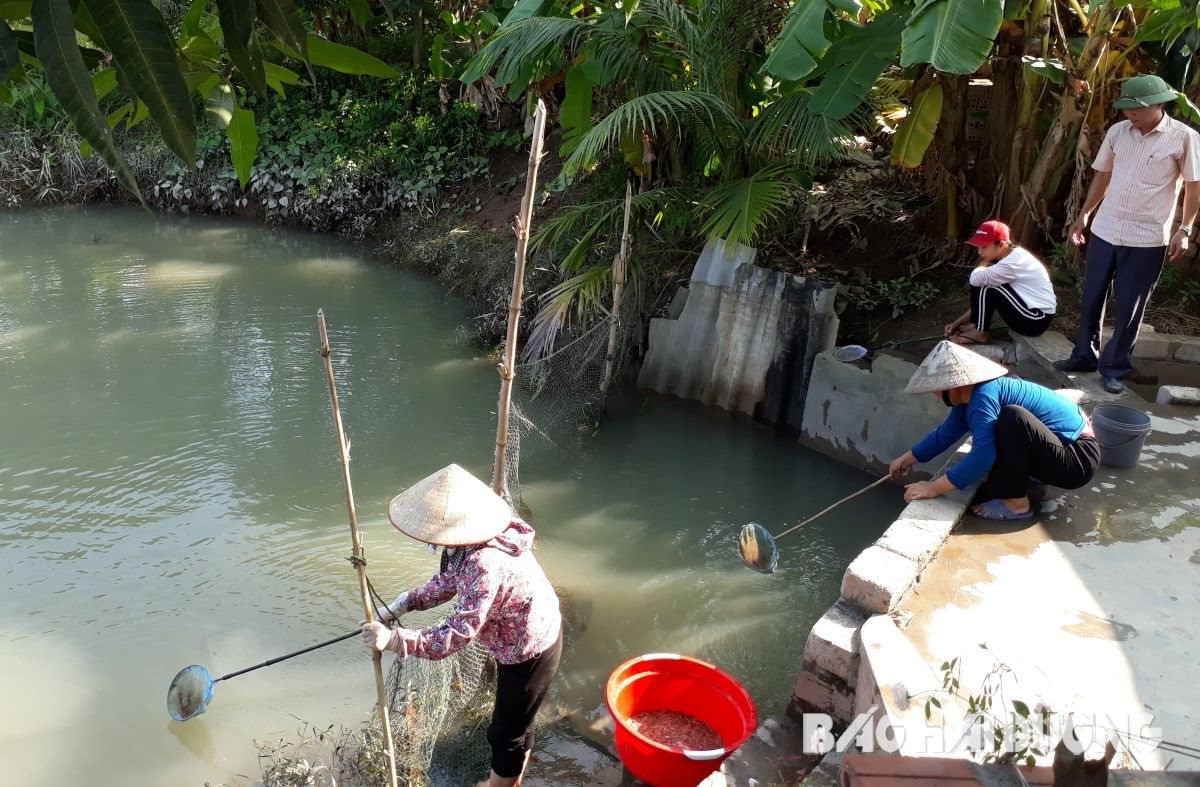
507	367
620	267
360	562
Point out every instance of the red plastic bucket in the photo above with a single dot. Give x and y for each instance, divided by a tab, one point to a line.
669	682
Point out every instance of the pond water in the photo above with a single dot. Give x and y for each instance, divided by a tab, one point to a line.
170	494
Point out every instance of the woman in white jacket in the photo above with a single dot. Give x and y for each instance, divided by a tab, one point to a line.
1008	281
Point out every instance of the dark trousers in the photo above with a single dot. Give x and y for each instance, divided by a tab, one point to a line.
520	690
986	302
1025	447
1129	274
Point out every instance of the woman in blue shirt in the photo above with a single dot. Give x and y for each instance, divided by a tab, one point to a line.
1021	434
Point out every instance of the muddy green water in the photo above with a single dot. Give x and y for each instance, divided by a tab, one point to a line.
170	494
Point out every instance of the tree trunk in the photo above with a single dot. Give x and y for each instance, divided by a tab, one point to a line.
1058	149
952	161
996	148
418	41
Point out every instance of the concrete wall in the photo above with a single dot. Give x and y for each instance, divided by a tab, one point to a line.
745	337
859	413
831	678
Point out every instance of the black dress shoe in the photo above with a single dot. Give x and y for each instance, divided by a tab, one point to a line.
1074	365
1112	384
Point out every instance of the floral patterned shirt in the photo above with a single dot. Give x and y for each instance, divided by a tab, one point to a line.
503	598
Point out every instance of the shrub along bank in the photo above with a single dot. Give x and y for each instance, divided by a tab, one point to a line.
337	157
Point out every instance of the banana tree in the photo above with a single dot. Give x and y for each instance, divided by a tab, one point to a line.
1055	67
95	50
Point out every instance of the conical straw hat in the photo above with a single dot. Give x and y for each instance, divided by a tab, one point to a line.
450	508
949	365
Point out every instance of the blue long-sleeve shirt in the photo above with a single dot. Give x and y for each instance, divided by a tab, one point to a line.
979	415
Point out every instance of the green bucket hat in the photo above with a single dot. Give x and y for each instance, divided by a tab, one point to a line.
1144	91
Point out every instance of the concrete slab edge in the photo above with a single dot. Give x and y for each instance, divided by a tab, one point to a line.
875	583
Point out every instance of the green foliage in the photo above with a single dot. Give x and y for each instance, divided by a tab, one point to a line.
241	41
347	60
143	51
243	142
68	77
739	210
161	69
1180	286
900	295
854	63
575	115
1017	732
916	132
31	104
954	36
802	42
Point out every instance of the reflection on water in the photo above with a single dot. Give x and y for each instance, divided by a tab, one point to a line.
170	495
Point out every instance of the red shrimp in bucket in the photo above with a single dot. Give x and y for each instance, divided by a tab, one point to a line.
702	701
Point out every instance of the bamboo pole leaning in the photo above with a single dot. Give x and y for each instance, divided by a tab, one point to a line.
507	367
620	268
357	557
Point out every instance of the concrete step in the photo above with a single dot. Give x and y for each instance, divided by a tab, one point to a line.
1052	346
820	693
832	644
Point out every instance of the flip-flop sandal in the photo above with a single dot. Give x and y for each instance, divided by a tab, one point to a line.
997	511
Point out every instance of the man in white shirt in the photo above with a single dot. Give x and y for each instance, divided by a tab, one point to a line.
1139	169
1008	281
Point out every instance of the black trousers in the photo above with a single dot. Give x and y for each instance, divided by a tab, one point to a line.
1025	447
986	302
1129	274
520	690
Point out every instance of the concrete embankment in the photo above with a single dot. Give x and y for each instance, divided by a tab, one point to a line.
1086	608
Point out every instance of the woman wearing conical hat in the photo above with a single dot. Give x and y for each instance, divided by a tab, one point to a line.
503	599
1022	435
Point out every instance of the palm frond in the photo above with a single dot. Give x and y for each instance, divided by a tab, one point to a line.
580	296
741	209
788	129
621	57
570	222
515	49
595	226
684	114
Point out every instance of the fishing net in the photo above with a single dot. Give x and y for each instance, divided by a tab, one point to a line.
439	709
558	399
438	713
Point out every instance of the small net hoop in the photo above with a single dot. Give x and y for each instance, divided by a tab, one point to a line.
190	693
850	352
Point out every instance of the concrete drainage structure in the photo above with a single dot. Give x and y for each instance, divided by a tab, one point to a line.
741	337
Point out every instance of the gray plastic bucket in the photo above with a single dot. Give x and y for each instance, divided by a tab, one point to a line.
1121	432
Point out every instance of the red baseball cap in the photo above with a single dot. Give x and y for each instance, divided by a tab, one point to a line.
988	233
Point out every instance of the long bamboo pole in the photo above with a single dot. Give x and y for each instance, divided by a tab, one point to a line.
620	268
357	558
507	367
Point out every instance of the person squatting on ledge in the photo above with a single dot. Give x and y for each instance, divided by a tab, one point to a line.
1008	281
1024	436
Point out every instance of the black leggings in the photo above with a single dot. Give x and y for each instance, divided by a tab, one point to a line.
1025	447
520	690
987	301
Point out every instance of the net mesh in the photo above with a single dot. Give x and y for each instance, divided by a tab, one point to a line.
558	400
440	709
436	703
